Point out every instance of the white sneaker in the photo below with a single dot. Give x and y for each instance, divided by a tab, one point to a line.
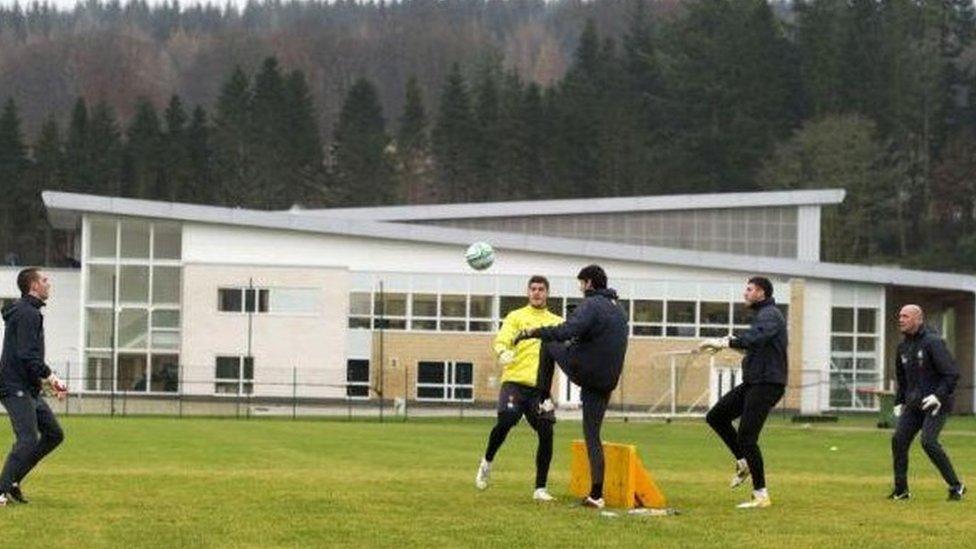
758	501
593	503
542	494
741	473
3	500
484	472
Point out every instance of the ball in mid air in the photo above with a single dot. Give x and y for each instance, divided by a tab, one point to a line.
480	256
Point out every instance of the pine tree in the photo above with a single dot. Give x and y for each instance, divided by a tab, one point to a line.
78	174
304	162
144	153
232	145
49	157
201	185
105	150
453	140
487	137
15	186
363	170
270	138
413	148
175	171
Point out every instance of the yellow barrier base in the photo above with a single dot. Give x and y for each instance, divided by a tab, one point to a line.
626	484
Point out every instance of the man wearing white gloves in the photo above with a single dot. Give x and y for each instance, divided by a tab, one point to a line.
927	377
525	386
764	373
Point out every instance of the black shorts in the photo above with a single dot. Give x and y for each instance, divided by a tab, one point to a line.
514	398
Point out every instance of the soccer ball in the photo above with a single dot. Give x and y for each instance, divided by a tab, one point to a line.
480	256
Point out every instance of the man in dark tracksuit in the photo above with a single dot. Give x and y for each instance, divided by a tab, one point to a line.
22	372
597	333
764	372
927	377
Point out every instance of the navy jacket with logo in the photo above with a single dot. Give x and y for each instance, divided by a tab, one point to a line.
598	332
22	365
765	343
924	367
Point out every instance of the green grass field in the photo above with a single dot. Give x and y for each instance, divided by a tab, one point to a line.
163	482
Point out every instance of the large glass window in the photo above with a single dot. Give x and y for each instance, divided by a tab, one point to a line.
102	238
166	285
445	381
453	312
98	376
101	283
390	311
132	263
854	357
681	317
99	329
357	378
716	318
165	373
167	241
135	239
134	284
424	312
360	309
133	329
648	319
133	372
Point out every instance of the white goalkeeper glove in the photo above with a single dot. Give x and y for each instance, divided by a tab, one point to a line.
506	357
547	406
896	411
56	387
933	402
714	345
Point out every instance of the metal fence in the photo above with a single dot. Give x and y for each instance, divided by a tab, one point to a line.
670	385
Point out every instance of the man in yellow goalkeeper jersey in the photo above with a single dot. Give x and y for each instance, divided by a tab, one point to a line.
525	387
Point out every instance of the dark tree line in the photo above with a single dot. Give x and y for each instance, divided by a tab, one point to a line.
654	98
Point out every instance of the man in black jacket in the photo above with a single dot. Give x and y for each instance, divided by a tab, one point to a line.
764	372
927	378
22	373
593	358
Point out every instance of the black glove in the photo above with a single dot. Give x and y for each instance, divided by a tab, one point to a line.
525	334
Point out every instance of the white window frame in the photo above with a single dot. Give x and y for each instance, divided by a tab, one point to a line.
366	384
449	386
854	355
241	380
117	262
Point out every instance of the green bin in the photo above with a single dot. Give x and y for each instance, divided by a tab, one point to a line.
886	409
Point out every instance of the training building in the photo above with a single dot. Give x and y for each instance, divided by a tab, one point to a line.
360	302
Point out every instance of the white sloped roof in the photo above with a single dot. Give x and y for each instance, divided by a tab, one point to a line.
64	210
583	205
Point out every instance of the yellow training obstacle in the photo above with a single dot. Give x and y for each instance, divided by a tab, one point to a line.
626	483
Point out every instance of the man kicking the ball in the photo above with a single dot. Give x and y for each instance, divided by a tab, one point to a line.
590	348
764	371
525	386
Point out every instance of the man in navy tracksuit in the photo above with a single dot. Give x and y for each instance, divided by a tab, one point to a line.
927	377
22	373
589	347
764	373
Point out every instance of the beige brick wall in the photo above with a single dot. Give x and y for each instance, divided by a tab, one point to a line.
646	380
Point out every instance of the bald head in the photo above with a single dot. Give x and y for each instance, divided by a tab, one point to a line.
910	319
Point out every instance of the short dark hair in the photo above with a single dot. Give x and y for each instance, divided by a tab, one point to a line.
26	278
764	283
539	279
595	274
